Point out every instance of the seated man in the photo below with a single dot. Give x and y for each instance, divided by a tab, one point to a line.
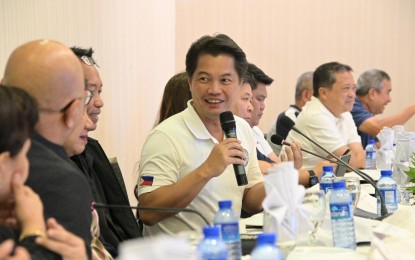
373	94
186	161
243	108
52	74
303	94
326	119
115	225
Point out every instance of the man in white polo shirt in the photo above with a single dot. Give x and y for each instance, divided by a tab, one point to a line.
326	119
186	160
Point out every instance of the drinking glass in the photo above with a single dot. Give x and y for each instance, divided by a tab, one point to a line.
353	186
315	203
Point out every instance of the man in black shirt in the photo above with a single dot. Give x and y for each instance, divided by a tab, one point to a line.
108	187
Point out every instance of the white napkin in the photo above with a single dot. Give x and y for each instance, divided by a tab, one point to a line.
405	146
395	236
384	155
283	203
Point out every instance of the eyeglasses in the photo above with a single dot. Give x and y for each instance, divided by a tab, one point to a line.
88	97
89	61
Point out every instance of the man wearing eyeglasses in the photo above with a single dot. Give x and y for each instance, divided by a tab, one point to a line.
108	188
52	74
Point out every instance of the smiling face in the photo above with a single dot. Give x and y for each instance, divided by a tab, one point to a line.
9	166
214	86
341	96
93	84
258	103
243	106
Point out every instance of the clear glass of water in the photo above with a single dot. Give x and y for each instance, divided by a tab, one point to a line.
353	186
315	203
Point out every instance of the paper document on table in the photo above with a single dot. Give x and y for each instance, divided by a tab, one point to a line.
375	174
367	202
394	237
158	247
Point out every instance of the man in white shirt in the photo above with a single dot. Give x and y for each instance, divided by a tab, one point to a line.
326	119
186	160
251	110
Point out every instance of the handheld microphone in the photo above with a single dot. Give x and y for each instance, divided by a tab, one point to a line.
227	122
383	210
279	140
158	209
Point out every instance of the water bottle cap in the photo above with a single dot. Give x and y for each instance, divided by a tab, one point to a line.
327	168
337	185
210	231
225	204
371	141
386	173
266	238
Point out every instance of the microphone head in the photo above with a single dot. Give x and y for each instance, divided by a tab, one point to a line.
277	139
287	122
227	121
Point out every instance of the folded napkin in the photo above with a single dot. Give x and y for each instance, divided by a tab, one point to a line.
384	155
405	147
395	236
282	205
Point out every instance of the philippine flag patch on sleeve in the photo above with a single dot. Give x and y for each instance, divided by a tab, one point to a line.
146	181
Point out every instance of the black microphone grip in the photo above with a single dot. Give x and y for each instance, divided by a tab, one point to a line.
228	125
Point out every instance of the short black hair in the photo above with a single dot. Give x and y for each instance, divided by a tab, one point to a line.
79	52
216	45
324	76
18	116
259	76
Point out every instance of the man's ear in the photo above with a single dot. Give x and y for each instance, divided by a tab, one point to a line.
4	156
322	92
305	94
371	93
190	86
71	114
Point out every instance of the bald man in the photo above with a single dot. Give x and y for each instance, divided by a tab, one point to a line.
51	73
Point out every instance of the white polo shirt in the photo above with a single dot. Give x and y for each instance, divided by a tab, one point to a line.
261	143
318	123
175	148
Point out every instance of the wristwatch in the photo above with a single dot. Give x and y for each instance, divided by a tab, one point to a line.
313	178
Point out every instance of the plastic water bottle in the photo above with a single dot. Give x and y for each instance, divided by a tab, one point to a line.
266	249
387	186
371	155
229	223
341	211
326	181
212	247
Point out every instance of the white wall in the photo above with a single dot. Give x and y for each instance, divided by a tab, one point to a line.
287	38
135	48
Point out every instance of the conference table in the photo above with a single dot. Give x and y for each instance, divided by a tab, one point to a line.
364	227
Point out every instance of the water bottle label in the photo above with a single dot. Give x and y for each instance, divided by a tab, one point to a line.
326	186
389	195
230	232
370	155
340	211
